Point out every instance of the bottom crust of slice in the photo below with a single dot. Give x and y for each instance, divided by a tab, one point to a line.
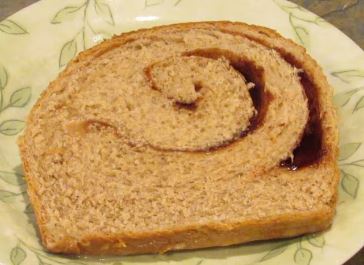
194	237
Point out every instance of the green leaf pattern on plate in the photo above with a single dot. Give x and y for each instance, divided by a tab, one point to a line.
298	17
41	262
12	178
17	255
68	51
11	27
29	209
359	163
11	127
347	150
302	34
20	97
343	98
7	196
65	14
360	104
104	11
149	3
42	257
303	256
3	83
70	48
274	252
349	183
3	78
348	76
85	11
316	240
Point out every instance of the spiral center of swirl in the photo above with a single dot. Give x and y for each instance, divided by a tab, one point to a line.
162	99
205	103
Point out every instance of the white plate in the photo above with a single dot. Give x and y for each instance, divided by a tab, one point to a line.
38	41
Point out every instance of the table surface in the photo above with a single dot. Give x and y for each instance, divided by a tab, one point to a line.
347	15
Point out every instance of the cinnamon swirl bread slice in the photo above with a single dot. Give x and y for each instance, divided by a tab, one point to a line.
180	137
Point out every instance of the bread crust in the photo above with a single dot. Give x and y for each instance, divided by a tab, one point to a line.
211	234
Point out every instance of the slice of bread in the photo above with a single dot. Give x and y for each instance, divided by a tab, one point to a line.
181	137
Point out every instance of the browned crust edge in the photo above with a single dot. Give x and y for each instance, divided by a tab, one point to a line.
207	235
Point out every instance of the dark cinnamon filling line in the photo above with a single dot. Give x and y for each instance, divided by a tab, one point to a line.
252	73
189	106
249	71
310	148
186	106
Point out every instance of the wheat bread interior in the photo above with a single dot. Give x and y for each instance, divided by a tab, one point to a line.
179	137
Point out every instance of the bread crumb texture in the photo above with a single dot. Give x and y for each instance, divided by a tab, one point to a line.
136	136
